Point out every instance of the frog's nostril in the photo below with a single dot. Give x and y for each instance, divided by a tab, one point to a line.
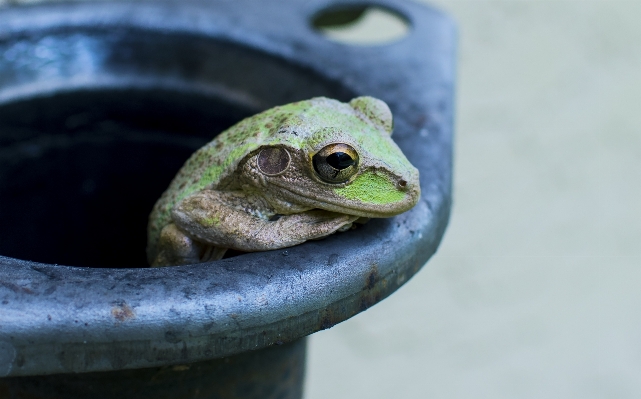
402	183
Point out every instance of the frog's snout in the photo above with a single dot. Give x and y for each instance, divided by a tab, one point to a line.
405	182
410	186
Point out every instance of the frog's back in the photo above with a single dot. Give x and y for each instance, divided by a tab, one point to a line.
218	159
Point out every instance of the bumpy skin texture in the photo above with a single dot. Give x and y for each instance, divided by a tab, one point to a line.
257	187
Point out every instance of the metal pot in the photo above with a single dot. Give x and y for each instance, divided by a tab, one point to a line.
100	103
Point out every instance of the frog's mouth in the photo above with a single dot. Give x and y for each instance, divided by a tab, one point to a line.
367	197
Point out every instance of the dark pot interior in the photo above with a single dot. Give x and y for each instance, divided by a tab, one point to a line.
81	168
79	172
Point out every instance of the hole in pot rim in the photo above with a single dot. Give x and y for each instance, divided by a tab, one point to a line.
361	25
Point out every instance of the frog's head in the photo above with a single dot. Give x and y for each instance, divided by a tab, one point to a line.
339	157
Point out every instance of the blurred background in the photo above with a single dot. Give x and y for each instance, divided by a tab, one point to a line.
534	292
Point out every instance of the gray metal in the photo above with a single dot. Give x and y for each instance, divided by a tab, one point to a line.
274	372
254	54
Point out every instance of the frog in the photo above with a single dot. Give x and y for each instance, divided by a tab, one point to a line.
290	174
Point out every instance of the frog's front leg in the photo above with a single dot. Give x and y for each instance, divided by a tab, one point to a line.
215	219
177	248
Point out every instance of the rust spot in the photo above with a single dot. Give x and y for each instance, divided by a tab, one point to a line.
372	277
122	312
372	294
329	319
326	323
369	299
17	288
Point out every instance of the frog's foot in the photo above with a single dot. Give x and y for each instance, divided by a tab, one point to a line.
313	225
345	228
212	253
176	248
353	225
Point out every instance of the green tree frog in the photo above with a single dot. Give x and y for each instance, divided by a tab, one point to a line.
293	173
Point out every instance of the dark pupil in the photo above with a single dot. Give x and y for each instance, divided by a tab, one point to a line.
339	160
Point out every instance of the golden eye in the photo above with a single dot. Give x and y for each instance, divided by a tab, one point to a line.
336	163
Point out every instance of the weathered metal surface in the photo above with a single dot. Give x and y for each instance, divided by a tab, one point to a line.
269	373
246	55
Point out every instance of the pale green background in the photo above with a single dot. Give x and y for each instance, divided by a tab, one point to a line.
535	290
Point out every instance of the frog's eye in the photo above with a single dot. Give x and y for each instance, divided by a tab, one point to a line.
336	163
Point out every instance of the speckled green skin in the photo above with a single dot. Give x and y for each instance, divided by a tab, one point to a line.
372	188
307	126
